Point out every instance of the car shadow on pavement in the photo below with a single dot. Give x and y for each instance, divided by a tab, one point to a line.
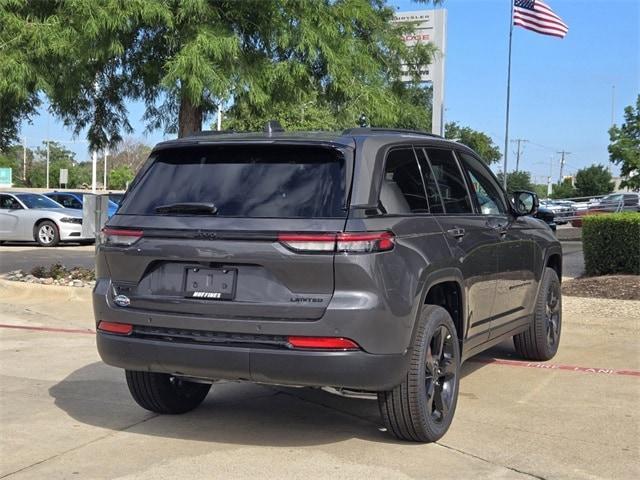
233	412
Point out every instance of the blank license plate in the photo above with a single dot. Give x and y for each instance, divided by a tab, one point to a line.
210	283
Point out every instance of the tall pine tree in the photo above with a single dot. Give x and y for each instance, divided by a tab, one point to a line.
314	63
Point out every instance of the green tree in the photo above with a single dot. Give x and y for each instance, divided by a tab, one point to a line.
184	58
593	180
517	181
624	149
119	177
480	142
563	190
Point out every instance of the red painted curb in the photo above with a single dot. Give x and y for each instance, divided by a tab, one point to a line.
48	329
552	366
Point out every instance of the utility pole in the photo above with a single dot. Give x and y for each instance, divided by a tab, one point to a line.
549	184
48	142
24	158
562	153
518	141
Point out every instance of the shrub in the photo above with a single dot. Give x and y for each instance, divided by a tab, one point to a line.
611	243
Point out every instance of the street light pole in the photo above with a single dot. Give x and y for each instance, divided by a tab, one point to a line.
94	164
104	181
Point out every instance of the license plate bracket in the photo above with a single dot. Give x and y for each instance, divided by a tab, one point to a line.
210	283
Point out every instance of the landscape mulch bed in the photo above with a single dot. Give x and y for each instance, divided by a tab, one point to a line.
616	287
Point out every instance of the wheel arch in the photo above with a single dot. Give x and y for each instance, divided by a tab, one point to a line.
445	288
37	223
554	261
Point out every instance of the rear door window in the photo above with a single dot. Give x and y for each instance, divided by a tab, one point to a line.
447	178
245	181
402	190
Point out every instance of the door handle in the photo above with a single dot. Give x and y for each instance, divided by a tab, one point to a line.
501	228
456	232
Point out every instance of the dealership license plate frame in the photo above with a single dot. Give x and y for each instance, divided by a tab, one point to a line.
208	283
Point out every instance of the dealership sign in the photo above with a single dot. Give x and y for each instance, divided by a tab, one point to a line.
429	27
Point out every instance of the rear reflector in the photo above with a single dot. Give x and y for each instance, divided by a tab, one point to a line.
120	236
118	328
348	242
323	343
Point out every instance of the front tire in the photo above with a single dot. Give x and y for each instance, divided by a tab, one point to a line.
540	342
47	234
164	393
421	408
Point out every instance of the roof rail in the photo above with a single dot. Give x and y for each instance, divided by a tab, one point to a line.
364	131
206	133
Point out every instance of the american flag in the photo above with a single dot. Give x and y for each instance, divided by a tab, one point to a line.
537	16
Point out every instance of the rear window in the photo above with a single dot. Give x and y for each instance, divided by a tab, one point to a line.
245	181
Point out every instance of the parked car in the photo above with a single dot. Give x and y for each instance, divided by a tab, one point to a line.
563	210
76	199
373	261
34	217
615	202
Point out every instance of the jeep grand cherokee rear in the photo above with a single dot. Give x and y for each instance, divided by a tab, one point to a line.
368	260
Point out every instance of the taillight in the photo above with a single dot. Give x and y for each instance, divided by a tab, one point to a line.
120	236
309	242
349	242
323	343
117	328
365	242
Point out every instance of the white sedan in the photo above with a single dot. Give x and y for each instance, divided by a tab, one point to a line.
32	217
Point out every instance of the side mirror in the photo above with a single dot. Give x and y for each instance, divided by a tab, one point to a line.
525	203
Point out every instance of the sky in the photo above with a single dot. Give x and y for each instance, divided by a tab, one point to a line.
561	89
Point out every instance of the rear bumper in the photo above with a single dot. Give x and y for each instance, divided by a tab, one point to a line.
350	369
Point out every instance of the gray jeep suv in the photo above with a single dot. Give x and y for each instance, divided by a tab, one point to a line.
371	260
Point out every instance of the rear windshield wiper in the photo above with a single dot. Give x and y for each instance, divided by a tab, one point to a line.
188	207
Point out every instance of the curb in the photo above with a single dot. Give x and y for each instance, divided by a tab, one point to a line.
11	290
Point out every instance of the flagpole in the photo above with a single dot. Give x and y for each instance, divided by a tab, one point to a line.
506	128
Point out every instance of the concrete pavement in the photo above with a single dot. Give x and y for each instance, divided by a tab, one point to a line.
64	414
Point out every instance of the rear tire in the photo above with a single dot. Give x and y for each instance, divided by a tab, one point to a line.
540	342
421	408
164	393
47	234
